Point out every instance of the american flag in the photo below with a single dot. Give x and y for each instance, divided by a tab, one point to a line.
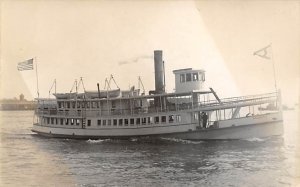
25	65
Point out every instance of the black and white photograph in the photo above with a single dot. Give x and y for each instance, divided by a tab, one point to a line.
150	93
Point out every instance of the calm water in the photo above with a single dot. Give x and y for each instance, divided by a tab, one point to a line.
30	160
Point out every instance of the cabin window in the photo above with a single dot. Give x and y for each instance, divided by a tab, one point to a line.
163	119
78	104
89	122
83	104
131	121
94	104
195	77
120	122
72	121
77	121
109	122
98	104
48	120
196	116
88	104
178	118
182	77
188	77
126	122
144	120
156	119
99	122
73	104
67	121
104	122
171	118
52	120
68	104
56	121
115	122
138	121
59	105
150	120
61	121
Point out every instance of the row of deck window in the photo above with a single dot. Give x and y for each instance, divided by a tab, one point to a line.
61	121
115	122
137	121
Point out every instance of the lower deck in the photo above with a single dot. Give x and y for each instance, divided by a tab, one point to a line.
234	128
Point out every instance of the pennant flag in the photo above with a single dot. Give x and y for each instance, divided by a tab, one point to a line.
264	52
26	65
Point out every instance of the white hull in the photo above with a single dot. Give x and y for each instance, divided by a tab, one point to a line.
240	128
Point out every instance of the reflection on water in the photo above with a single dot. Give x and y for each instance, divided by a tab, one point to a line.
28	159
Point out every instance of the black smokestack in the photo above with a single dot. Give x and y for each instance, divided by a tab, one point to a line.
159	72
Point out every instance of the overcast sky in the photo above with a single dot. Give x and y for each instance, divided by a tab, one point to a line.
93	39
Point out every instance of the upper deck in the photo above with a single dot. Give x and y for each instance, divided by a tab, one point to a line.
142	105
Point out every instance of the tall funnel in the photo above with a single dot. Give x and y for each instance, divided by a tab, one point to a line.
159	72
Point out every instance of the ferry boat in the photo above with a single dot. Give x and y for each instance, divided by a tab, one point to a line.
190	112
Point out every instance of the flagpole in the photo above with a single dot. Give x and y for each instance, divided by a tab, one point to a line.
37	78
274	72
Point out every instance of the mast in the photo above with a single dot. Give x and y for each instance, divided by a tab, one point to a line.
37	77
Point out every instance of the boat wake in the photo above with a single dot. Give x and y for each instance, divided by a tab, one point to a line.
182	141
255	139
97	141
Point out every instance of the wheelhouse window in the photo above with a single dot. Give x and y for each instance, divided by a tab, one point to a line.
182	77
195	77
188	77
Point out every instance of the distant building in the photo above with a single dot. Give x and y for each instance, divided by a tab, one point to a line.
15	104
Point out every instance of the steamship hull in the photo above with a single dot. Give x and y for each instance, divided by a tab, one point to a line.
242	128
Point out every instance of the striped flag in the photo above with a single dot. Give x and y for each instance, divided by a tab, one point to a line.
26	65
264	52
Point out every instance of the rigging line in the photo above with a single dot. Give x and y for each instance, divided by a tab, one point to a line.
74	84
114	81
54	83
